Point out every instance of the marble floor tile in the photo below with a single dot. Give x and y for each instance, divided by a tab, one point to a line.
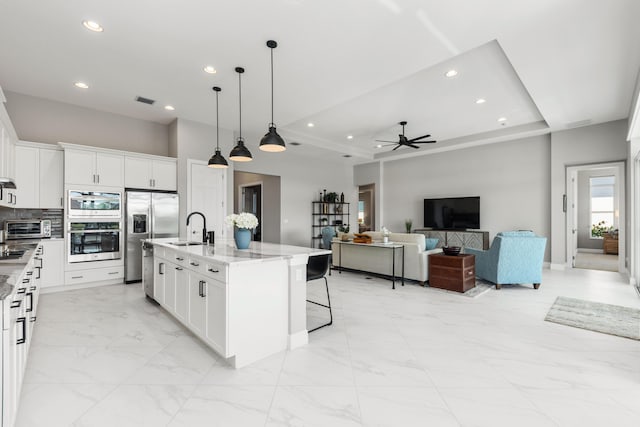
311	406
46	405
409	356
217	406
137	406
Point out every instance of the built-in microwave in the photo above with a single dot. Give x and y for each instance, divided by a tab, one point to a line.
15	229
94	240
83	204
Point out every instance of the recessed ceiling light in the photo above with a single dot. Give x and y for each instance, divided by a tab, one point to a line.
169	107
480	101
209	69
81	85
451	73
93	26
349	136
310	125
502	119
347	155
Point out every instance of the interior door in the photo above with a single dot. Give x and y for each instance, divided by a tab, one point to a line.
252	202
206	194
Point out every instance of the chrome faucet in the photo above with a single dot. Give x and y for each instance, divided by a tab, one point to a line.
204	224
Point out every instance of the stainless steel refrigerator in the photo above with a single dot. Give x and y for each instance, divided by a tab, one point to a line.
150	215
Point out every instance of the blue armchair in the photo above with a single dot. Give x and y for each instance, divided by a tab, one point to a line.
514	257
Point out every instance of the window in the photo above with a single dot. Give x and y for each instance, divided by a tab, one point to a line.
602	205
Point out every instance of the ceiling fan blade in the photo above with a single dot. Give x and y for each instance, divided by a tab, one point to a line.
420	137
412	146
398	146
423	142
384	140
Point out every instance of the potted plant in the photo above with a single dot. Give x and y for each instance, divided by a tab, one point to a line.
407	225
331	197
344	229
242	223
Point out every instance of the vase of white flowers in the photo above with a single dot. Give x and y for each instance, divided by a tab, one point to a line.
385	234
243	223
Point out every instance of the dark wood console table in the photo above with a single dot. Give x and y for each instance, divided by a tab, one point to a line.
452	272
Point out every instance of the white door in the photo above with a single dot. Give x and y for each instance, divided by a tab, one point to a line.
206	193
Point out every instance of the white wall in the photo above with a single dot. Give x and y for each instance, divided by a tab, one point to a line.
43	120
511	178
198	141
302	179
590	144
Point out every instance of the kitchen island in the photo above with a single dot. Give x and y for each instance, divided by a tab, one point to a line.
244	304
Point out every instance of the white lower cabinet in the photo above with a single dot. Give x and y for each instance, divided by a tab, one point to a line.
198	304
19	311
106	274
51	266
182	293
159	274
170	286
217	314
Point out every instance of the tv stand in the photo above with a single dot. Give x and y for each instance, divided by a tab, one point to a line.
475	239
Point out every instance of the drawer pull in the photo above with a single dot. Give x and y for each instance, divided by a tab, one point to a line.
16	304
213	270
179	268
33	288
195	264
21	290
179	258
77	277
113	272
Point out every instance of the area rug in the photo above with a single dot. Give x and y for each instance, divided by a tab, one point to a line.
596	316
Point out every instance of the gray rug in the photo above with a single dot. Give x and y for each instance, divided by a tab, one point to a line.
595	316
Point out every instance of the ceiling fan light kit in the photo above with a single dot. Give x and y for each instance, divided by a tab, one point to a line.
403	140
217	161
272	142
240	153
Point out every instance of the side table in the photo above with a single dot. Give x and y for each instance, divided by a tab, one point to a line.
452	272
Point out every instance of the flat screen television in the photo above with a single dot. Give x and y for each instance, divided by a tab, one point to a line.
452	213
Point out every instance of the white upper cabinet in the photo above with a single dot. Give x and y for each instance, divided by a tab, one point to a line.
39	178
51	179
86	167
8	140
150	173
27	177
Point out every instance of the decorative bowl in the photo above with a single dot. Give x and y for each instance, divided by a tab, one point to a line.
451	250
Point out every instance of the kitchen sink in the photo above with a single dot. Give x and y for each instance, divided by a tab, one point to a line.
186	243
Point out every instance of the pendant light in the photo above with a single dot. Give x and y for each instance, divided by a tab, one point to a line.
217	160
240	153
272	141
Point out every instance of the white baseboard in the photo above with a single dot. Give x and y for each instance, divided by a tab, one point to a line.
63	288
298	339
590	251
559	267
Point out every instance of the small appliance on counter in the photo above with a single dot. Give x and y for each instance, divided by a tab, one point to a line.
16	229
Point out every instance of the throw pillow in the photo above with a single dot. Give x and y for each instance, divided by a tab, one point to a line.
430	243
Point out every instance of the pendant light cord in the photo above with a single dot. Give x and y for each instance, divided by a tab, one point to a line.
272	123
240	98
217	127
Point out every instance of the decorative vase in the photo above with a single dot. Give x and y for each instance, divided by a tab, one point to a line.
242	236
385	239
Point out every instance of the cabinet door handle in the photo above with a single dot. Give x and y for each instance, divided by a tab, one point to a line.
179	268
29	308
22	320
161	268
213	270
61	202
94	178
179	258
38	268
199	288
15	199
195	264
98	175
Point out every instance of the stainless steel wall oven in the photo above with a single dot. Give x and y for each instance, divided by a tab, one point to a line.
90	204
94	240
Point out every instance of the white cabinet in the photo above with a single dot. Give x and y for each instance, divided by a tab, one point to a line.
197	304
182	293
27	177
38	177
105	275
150	173
159	274
52	264
87	167
51	178
217	315
8	140
170	286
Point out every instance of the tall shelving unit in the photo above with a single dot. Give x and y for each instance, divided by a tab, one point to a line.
336	214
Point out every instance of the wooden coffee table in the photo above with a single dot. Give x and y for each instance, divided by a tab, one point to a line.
452	272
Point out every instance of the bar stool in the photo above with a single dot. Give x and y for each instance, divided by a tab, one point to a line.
317	268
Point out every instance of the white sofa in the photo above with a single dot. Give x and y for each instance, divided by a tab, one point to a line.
374	260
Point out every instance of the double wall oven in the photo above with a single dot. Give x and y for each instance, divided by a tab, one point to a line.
94	226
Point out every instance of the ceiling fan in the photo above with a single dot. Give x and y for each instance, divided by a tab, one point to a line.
402	140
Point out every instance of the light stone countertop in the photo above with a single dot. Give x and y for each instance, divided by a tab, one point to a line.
225	252
11	269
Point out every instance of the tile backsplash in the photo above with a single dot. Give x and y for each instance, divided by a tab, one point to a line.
55	215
